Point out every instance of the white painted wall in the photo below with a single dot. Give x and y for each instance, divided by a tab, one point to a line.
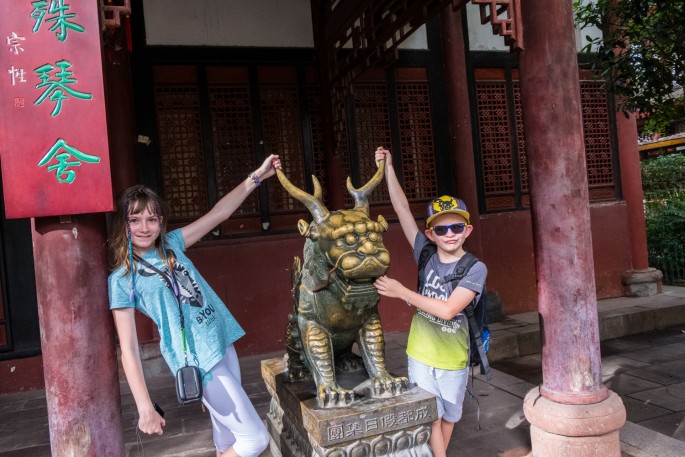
481	37
592	32
258	23
417	40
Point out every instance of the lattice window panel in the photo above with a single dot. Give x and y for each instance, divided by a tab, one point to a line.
180	146
343	148
495	140
599	155
416	141
498	165
521	144
233	140
372	117
283	135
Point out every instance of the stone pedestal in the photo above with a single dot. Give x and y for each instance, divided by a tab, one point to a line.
642	283
562	430
393	426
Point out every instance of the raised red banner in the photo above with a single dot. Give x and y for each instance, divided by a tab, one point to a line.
53	131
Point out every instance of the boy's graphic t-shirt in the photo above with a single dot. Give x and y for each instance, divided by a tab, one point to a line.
434	341
210	327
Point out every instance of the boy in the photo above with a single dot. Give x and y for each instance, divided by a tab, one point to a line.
438	344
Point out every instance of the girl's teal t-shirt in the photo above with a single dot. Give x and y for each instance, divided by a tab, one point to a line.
210	327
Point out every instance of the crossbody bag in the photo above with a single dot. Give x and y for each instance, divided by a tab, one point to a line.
188	377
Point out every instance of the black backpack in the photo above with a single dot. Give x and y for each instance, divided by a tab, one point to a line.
476	311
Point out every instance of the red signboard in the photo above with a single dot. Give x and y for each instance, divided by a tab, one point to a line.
53	132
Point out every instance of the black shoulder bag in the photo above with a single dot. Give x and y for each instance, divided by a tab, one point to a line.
188	377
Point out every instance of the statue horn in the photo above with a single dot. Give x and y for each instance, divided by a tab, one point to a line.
312	202
361	195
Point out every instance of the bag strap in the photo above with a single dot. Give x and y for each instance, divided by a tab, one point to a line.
475	332
426	253
460	270
173	285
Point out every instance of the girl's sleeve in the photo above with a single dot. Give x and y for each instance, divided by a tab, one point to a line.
175	240
120	292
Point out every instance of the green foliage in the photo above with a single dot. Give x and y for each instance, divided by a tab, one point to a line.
666	233
641	53
663	180
664	175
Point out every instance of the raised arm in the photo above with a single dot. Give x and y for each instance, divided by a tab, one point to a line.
193	232
397	197
149	421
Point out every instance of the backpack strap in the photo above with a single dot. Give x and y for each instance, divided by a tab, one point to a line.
426	253
478	338
460	270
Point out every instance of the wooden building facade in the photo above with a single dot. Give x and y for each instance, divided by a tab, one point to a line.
199	94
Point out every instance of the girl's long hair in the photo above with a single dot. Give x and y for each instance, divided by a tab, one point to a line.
135	200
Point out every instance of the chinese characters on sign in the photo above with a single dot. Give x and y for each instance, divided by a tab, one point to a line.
53	132
57	15
358	427
64	175
58	88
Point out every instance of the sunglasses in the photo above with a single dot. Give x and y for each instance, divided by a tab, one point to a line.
441	230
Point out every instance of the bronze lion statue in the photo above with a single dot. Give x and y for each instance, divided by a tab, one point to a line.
335	302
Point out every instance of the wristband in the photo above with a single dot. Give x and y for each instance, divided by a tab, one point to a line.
408	302
253	176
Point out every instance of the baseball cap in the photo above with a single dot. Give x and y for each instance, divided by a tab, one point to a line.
446	205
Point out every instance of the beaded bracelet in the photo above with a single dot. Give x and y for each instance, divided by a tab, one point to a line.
255	178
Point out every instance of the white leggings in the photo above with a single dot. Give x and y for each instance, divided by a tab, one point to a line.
235	421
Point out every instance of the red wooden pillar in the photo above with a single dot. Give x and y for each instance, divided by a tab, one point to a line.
77	337
641	280
631	178
121	130
459	111
335	173
572	408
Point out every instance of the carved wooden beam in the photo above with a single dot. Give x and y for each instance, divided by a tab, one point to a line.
110	14
359	35
505	17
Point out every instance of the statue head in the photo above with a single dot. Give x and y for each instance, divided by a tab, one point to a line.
351	242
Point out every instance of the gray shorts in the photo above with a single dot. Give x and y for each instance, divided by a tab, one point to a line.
449	386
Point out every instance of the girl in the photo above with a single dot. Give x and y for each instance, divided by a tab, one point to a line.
144	255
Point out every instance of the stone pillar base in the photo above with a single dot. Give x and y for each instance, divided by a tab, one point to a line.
574	430
642	283
371	427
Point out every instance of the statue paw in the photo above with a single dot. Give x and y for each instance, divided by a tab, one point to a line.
297	375
388	385
331	395
297	371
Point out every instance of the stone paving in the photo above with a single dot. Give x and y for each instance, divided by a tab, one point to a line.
642	361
